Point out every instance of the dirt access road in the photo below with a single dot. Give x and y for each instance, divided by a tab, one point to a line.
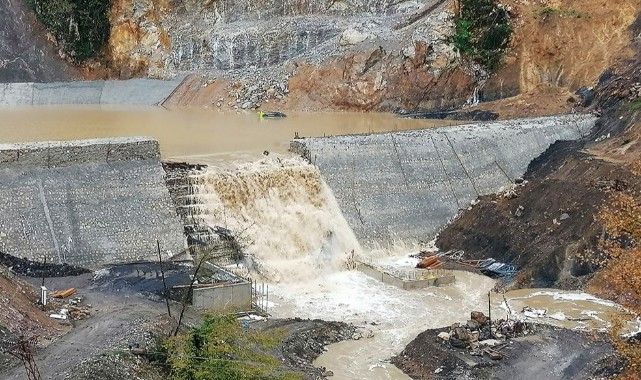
119	318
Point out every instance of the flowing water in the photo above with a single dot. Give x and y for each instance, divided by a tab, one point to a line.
283	212
303	245
289	220
193	135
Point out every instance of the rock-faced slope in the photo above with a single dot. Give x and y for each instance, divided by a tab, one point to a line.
408	185
87	203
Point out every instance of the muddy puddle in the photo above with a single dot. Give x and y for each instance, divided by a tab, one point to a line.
193	135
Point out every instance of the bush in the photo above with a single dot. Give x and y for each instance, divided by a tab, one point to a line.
221	349
483	31
81	27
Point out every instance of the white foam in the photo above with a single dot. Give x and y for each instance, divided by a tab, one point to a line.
283	212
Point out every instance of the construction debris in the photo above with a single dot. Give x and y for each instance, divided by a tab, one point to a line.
489	267
70	309
430	262
64	293
480	336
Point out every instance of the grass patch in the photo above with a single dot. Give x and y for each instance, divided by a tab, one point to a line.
569	13
635	106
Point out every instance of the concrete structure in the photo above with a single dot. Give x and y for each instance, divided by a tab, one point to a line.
408	185
417	279
229	296
149	92
86	203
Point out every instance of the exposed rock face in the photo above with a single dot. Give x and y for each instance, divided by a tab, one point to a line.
347	55
570	45
25	54
379	80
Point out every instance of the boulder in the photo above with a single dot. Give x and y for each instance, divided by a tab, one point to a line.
444	336
462	334
473	325
478	317
352	37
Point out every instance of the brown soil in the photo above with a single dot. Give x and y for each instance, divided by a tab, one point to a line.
197	91
378	80
20	316
576	179
568	46
544	100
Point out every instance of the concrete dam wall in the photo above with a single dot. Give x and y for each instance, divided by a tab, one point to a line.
88	203
142	92
409	185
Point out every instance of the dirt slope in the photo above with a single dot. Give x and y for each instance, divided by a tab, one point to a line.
20	316
564	43
553	222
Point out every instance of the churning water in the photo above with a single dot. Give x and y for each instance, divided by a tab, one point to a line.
291	225
298	237
283	213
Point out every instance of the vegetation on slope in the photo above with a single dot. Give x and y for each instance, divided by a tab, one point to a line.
81	27
483	31
621	257
221	349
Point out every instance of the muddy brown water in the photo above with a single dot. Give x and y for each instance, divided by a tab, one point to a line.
193	135
394	316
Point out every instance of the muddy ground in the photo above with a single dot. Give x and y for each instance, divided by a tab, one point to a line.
547	353
127	310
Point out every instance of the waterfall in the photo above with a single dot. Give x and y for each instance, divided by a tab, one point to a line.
282	211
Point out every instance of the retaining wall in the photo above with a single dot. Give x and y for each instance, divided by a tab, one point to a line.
432	278
237	296
149	92
408	185
87	203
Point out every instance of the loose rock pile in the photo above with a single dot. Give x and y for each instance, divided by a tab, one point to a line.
481	336
26	267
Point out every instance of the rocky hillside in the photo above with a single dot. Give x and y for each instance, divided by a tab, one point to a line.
26	55
359	54
574	223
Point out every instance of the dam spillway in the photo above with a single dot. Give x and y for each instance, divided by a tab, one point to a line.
87	202
406	186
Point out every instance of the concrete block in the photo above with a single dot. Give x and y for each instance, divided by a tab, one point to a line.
63	200
408	185
67	93
16	94
233	296
148	92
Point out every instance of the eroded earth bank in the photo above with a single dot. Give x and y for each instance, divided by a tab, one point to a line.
226	245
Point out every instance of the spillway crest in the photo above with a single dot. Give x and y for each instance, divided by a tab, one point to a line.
281	211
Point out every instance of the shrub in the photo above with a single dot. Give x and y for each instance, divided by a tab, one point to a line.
81	27
221	349
483	31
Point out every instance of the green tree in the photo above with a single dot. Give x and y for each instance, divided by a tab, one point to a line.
81	27
483	31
